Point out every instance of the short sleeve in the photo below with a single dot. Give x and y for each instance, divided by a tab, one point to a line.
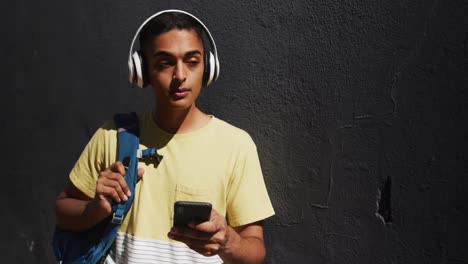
94	159
248	199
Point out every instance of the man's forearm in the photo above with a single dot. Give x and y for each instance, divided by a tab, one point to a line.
77	215
242	250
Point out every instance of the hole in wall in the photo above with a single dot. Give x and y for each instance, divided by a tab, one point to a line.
384	201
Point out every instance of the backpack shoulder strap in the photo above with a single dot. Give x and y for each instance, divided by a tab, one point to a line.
128	153
128	142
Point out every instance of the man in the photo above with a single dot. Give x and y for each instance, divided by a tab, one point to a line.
205	159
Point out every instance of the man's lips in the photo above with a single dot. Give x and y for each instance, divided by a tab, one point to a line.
180	92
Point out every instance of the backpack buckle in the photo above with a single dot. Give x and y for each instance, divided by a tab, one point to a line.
150	152
117	219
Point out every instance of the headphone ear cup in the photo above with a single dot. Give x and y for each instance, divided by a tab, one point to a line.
131	70
210	68
206	68
216	72
138	69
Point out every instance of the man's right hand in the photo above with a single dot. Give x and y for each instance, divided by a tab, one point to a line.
75	211
111	185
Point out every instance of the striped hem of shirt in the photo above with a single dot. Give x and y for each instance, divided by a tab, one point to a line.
135	250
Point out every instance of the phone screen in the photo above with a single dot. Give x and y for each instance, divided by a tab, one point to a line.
188	211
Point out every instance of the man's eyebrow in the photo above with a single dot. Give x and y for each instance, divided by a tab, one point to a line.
192	53
168	54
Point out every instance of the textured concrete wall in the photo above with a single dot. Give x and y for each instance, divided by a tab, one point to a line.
357	109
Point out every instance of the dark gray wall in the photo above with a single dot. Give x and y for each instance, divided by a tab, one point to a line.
357	109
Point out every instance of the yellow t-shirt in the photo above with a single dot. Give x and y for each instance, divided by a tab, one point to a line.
217	163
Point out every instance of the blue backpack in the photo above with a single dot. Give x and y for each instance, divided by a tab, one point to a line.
92	245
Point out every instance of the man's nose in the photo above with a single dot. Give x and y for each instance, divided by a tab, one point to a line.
180	73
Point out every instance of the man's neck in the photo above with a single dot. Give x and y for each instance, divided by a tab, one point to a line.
178	121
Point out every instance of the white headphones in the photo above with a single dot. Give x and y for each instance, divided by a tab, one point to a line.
135	58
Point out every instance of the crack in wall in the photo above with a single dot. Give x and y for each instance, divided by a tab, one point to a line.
340	235
465	45
377	115
333	155
411	56
402	66
330	178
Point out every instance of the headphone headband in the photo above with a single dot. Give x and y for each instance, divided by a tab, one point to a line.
131	63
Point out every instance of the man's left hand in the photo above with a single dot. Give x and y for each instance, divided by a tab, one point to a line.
206	238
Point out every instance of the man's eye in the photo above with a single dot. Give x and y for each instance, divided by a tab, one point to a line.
164	64
192	62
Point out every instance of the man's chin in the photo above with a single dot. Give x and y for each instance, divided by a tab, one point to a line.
180	104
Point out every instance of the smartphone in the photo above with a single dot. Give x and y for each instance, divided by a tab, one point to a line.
188	211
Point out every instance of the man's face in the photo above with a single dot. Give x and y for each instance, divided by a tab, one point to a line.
175	68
